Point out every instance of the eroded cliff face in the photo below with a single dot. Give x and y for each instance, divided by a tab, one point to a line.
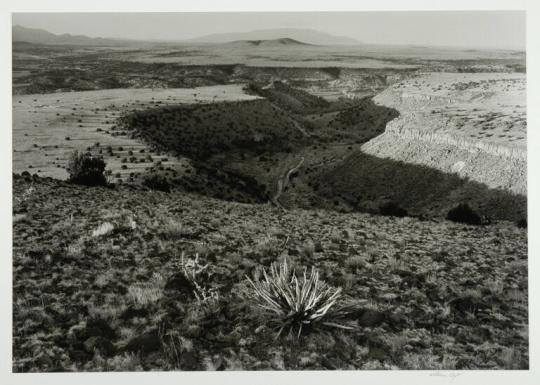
470	124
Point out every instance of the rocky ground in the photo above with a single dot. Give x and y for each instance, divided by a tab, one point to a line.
98	285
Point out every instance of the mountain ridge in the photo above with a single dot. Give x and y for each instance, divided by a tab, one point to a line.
280	36
282	41
42	36
308	36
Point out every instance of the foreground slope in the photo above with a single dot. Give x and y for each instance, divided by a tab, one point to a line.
428	294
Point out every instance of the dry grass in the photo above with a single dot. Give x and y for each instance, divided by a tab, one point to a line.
147	293
172	229
103	229
76	249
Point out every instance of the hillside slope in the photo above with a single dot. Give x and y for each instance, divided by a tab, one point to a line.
426	294
200	131
365	182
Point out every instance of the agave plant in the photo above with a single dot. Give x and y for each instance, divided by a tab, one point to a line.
295	302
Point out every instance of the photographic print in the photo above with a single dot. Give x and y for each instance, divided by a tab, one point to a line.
262	191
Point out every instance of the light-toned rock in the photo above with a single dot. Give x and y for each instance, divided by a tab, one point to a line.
470	124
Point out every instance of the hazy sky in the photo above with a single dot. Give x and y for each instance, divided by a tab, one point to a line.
502	29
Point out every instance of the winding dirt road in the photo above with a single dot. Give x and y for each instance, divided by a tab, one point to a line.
283	182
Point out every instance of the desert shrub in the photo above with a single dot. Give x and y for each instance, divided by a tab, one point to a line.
356	262
157	182
463	213
252	89
86	170
195	272
267	247
171	229
295	303
392	209
307	248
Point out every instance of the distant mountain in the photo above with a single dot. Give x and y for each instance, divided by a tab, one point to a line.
264	37
309	36
41	36
285	41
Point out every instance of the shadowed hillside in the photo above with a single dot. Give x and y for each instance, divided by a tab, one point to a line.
200	131
364	182
280	42
247	147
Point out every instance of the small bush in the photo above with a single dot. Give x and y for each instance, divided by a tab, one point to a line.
86	170
307	248
356	262
392	209
252	89
171	229
157	182
464	214
267	247
208	299
522	223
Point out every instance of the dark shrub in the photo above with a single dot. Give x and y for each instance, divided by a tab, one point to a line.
157	182
392	209
86	170
252	89
522	223
464	214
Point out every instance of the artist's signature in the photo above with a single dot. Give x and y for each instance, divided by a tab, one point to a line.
449	375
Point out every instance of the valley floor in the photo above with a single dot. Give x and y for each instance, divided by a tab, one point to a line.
97	285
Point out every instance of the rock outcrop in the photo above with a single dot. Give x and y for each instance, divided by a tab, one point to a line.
470	124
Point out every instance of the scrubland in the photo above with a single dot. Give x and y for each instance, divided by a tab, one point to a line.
225	164
98	285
